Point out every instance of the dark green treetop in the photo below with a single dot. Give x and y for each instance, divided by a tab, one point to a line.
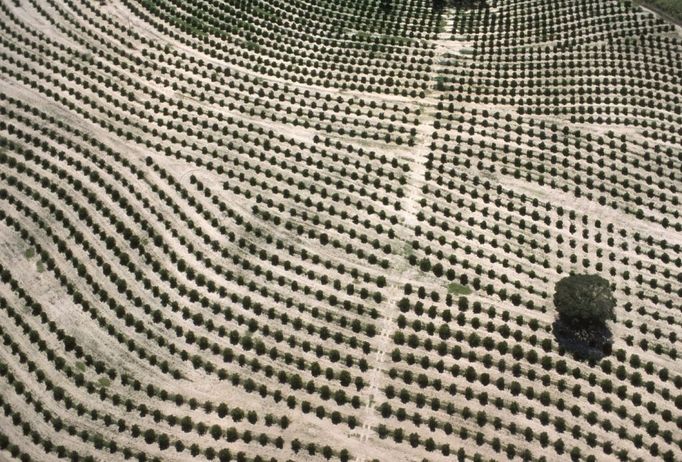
584	300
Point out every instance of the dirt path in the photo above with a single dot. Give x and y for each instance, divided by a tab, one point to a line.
416	157
646	6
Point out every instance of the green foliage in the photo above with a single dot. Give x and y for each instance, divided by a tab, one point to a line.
458	289
584	300
438	5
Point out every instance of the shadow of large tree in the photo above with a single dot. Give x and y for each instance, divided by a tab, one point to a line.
440	5
588	343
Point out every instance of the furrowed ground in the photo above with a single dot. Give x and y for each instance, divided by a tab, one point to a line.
315	230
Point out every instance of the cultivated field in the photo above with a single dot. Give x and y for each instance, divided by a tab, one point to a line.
307	230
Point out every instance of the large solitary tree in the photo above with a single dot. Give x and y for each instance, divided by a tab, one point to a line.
584	301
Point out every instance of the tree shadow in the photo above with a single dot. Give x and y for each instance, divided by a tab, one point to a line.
438	6
386	6
469	4
593	343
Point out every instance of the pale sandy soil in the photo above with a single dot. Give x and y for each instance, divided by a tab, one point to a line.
362	442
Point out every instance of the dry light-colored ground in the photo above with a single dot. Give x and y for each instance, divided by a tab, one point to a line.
298	230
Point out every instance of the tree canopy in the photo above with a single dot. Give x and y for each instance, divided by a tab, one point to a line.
584	300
